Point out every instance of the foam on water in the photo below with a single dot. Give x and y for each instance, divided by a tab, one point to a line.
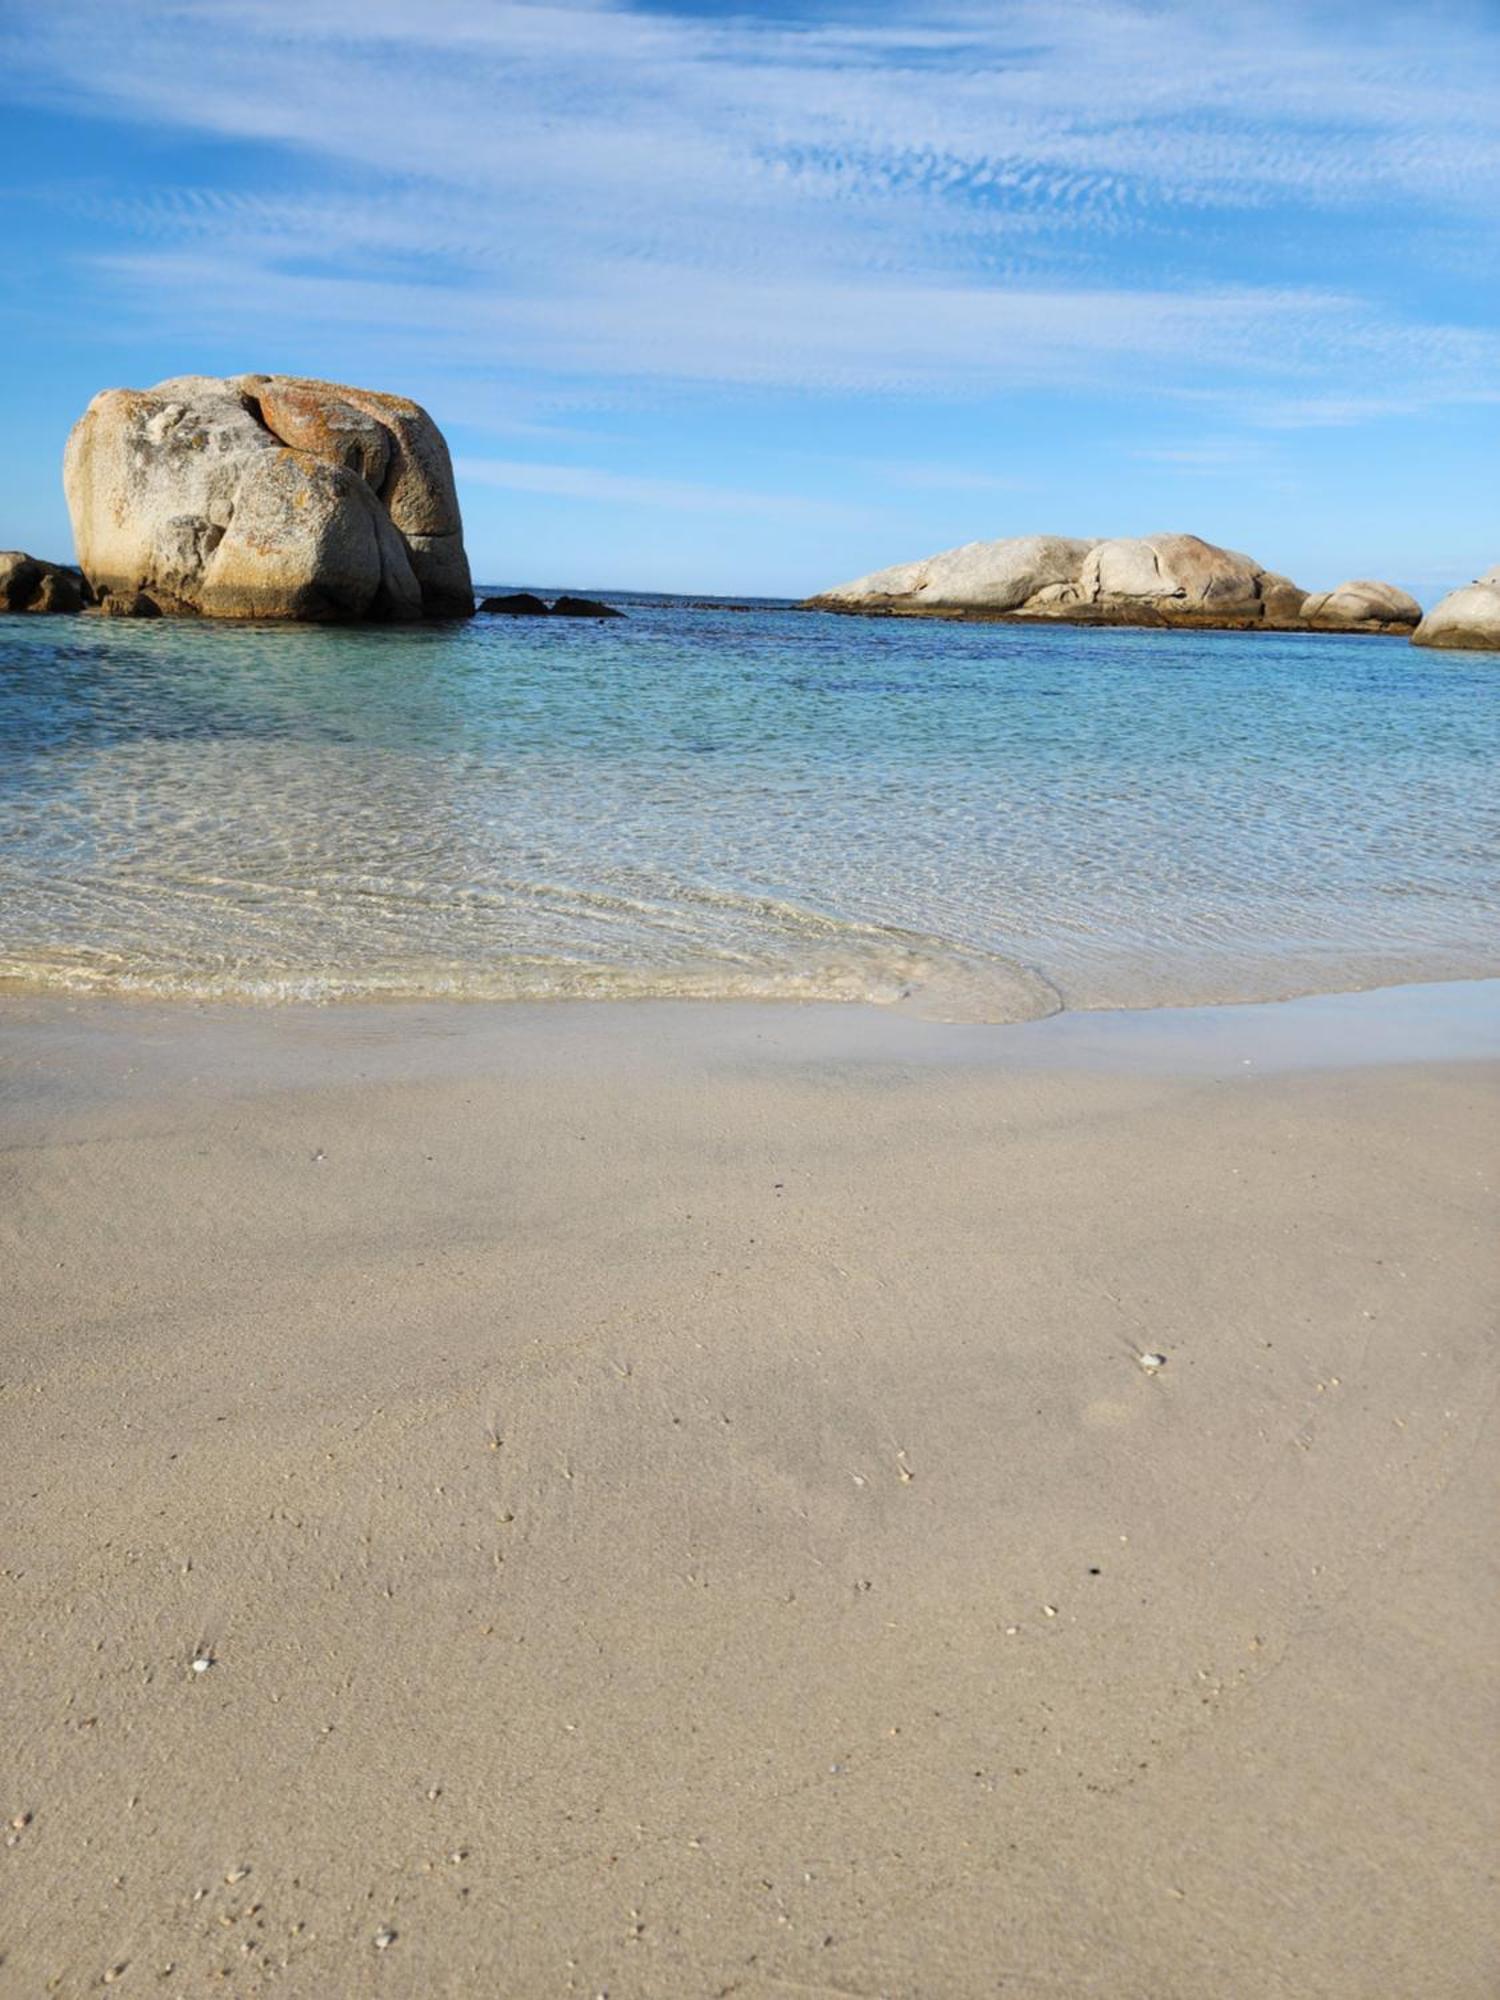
970	822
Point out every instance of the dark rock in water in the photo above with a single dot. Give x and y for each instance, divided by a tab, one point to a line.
28	583
129	604
583	607
519	604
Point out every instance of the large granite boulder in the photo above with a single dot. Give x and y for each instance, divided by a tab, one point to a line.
1468	618
29	583
266	496
980	576
1361	606
1173	579
1149	580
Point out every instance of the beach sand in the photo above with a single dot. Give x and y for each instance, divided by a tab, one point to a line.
670	1503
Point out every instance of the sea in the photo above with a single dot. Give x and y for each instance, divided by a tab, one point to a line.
741	800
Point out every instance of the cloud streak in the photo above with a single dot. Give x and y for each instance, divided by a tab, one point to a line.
928	199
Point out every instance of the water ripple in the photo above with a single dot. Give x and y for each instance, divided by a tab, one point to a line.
968	821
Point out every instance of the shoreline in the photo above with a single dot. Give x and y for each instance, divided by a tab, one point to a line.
1413	1021
933	1002
670	1501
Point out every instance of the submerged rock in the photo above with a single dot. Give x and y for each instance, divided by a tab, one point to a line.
1361	606
266	496
1143	580
1467	618
30	583
518	604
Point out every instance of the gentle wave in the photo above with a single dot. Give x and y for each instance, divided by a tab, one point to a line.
955	989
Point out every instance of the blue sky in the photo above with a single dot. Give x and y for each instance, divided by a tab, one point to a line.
758	298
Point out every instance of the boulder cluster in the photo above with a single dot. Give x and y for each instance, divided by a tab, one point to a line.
1156	580
1145	580
265	496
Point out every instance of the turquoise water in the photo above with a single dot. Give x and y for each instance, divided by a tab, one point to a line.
979	822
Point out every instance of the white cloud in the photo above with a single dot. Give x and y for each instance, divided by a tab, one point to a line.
918	199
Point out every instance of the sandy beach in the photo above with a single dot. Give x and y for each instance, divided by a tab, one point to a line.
667	1500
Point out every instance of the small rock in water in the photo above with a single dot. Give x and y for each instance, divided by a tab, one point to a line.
583	607
515	604
1152	1363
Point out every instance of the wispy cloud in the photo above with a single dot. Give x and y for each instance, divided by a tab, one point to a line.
925	198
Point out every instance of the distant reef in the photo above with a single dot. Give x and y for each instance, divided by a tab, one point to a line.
265	496
1161	580
1468	618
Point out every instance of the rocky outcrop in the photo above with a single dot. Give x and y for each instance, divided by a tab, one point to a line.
1468	618
1361	606
266	496
1147	580
29	583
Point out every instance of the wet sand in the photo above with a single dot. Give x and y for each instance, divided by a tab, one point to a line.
667	1501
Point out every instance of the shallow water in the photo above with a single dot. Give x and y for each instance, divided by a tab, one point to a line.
973	822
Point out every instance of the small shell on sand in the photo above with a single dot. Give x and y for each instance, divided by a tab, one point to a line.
1152	1363
384	1940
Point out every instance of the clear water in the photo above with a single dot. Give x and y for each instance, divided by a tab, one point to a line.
980	822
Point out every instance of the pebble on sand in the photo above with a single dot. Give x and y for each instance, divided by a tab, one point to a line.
1153	1362
384	1940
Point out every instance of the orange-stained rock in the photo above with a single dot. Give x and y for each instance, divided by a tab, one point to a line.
266	496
